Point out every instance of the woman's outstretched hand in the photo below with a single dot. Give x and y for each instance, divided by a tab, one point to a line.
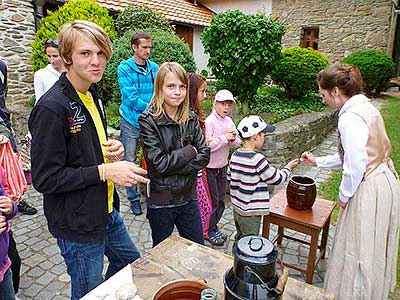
308	158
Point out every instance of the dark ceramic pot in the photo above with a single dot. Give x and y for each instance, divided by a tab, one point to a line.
301	192
253	274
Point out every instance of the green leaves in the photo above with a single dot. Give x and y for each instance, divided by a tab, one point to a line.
73	10
242	49
297	70
275	100
135	16
375	66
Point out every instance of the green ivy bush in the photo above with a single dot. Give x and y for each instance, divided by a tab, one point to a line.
166	46
243	49
135	16
375	66
297	70
276	100
73	10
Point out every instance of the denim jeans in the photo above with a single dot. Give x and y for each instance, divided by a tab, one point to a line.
186	218
129	138
6	287
85	260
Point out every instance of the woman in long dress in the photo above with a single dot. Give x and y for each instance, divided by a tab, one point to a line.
362	262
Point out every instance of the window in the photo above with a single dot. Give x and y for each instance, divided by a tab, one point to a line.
310	37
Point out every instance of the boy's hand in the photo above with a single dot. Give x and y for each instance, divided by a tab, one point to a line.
114	150
124	173
293	164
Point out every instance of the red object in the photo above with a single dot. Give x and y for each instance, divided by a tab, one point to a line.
14	181
144	165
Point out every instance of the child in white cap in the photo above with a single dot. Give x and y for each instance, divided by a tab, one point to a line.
221	134
250	174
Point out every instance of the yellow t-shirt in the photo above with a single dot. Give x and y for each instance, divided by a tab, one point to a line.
91	107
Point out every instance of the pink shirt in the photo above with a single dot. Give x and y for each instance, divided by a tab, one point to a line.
216	127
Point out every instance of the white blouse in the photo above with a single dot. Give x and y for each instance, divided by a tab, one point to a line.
354	136
44	79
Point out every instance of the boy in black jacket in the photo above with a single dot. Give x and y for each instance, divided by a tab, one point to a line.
75	166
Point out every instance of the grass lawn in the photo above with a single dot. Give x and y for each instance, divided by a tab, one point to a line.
329	189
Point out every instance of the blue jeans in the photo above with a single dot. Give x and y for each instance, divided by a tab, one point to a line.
186	218
129	138
85	260
6	286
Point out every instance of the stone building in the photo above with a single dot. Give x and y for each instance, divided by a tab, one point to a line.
338	28
17	32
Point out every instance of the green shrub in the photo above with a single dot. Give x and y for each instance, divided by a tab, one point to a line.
243	49
275	100
375	66
135	16
166	46
73	10
297	70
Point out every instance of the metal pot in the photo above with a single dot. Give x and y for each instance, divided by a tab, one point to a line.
253	274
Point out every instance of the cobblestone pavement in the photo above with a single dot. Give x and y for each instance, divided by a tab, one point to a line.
44	276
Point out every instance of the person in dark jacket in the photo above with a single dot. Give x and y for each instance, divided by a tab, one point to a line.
75	166
174	150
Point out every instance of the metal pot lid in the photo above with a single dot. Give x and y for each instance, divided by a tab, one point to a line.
256	249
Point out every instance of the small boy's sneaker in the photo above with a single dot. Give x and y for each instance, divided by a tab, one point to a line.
221	234
215	239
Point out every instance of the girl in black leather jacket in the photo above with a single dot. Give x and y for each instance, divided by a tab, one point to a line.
175	150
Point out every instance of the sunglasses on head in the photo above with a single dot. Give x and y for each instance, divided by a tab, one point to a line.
52	43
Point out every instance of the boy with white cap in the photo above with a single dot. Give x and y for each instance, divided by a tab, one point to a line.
250	174
220	134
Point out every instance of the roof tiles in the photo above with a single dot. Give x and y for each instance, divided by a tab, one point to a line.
181	11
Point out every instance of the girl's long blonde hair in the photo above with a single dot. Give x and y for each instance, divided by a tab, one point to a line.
157	103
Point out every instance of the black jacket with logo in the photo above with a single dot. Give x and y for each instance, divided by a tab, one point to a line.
172	162
65	153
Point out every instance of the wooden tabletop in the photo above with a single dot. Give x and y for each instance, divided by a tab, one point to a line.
178	258
314	217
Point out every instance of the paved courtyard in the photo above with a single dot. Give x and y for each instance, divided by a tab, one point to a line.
44	276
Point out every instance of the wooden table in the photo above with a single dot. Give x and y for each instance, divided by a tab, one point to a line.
178	258
310	222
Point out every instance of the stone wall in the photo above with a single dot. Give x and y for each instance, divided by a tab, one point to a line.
17	32
344	26
297	134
